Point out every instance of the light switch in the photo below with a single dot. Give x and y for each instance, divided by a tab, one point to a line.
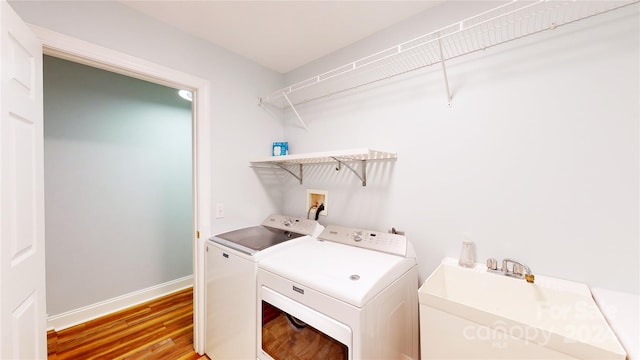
219	211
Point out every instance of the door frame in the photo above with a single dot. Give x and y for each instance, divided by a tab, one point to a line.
80	51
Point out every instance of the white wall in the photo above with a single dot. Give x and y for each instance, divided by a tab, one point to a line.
240	129
118	185
537	157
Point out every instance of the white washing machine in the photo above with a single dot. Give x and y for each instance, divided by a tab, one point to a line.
231	282
350	294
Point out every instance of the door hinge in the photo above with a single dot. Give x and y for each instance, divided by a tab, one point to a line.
197	234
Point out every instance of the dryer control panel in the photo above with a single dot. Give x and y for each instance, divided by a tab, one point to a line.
294	224
389	243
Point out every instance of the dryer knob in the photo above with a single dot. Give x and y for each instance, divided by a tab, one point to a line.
357	236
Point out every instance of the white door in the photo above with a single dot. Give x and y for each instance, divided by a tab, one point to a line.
22	270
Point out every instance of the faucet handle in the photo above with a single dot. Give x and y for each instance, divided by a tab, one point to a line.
505	268
492	264
518	269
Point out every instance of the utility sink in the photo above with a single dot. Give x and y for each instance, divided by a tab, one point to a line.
473	314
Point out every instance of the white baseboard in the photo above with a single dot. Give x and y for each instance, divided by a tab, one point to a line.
90	312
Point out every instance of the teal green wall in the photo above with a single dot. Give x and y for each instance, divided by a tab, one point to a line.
118	185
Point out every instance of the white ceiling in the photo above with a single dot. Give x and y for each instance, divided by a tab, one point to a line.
281	35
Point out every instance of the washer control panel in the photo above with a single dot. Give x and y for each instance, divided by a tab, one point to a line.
293	224
389	243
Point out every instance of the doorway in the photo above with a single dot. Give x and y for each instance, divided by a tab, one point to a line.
68	48
118	185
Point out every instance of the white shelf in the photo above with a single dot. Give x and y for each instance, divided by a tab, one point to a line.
329	156
342	157
502	24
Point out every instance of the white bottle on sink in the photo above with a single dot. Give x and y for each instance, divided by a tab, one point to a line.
467	254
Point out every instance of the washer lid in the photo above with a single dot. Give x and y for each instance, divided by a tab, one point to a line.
253	239
274	230
351	274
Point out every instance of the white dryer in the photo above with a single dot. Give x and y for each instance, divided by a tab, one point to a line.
231	282
350	294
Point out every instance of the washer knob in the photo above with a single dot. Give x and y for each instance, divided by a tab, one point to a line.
357	236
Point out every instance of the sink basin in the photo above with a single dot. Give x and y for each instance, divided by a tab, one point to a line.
471	313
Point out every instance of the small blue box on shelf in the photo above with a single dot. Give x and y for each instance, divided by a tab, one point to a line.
280	148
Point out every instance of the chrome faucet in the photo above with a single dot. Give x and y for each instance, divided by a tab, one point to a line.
518	270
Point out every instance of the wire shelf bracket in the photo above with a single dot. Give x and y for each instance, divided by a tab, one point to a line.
283	167
444	72
299	177
363	177
297	115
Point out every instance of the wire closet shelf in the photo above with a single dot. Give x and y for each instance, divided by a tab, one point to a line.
340	158
507	22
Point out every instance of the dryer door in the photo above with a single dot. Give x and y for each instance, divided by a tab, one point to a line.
291	330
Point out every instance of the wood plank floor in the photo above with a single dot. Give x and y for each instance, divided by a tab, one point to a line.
159	329
282	340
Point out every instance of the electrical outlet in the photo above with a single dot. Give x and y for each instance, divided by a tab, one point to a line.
314	199
219	211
